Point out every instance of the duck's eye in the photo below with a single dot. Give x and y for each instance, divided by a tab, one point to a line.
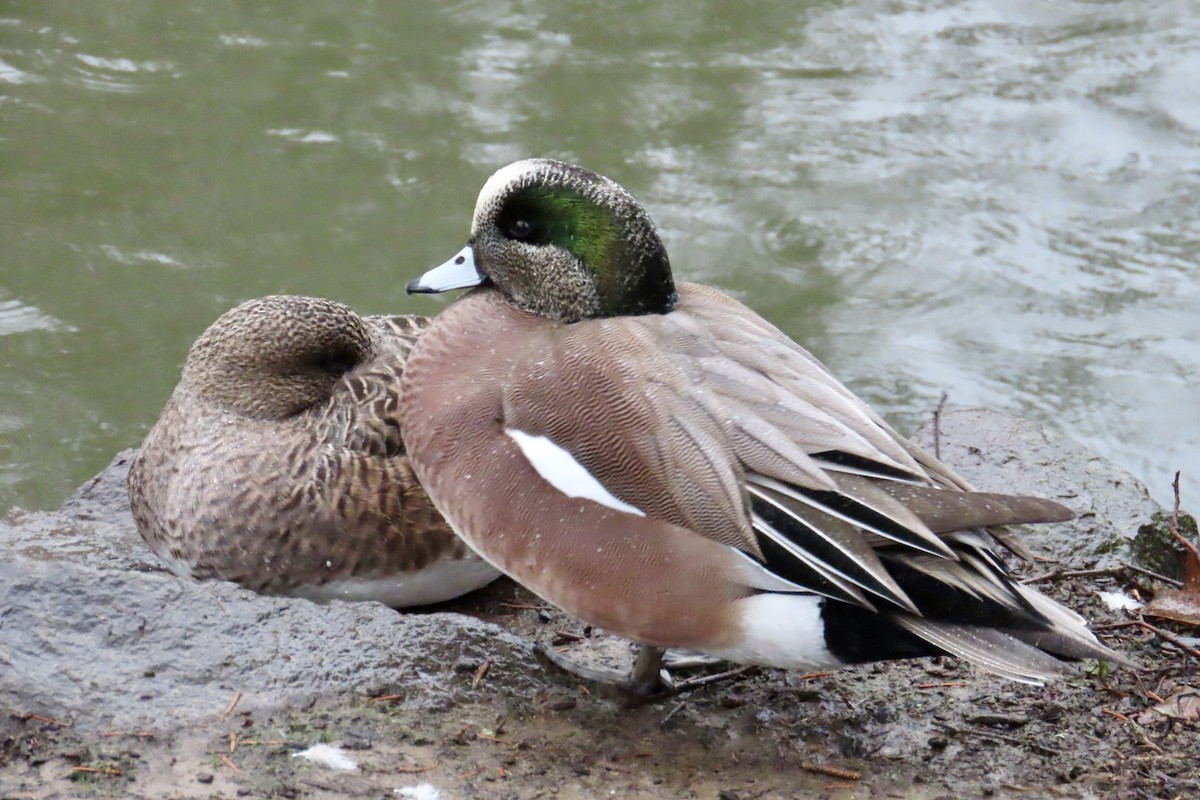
519	228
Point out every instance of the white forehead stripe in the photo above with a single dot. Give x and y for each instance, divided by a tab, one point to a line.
560	469
501	179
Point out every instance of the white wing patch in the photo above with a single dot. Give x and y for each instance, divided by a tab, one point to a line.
560	469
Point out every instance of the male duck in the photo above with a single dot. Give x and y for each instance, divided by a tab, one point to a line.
278	463
660	461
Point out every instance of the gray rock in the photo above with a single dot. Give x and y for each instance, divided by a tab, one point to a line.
92	628
1000	453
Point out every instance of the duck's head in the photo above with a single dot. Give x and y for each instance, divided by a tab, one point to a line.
561	242
276	356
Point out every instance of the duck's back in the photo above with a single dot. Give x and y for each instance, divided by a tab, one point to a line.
321	503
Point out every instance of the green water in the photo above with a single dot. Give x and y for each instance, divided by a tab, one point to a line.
993	199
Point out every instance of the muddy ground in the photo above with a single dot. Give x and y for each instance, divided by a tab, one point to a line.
460	706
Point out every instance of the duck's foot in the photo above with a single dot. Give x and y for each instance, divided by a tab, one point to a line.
647	680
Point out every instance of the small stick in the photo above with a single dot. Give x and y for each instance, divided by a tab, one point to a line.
40	718
1170	637
704	680
385	698
495	739
1112	626
479	673
225	760
1152	574
1116	714
237	696
414	770
833	772
941	685
1073	573
98	770
1175	521
1093	573
937	426
232	741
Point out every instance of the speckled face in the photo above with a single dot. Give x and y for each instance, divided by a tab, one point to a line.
566	243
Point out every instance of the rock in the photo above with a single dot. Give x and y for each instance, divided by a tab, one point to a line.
997	452
93	629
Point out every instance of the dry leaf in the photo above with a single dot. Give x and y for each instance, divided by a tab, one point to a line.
1183	705
1180	605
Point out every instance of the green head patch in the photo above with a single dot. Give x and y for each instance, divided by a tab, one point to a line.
629	267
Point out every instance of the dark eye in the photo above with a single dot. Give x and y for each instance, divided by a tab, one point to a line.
519	229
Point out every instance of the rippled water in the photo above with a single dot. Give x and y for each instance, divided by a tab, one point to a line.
992	198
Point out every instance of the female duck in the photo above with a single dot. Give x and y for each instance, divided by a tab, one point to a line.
662	462
278	463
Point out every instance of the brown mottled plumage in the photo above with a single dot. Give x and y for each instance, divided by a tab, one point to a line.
664	463
278	463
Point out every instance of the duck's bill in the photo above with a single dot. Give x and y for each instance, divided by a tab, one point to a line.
457	273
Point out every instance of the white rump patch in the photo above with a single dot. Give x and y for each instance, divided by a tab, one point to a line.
560	469
779	630
327	756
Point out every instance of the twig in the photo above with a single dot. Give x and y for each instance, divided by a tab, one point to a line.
704	680
225	760
1175	521
414	770
672	712
937	426
833	772
1116	714
386	698
527	606
940	685
1112	626
50	720
1170	637
479	673
496	739
1041	748
237	696
1094	573
113	771
1151	573
1073	573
